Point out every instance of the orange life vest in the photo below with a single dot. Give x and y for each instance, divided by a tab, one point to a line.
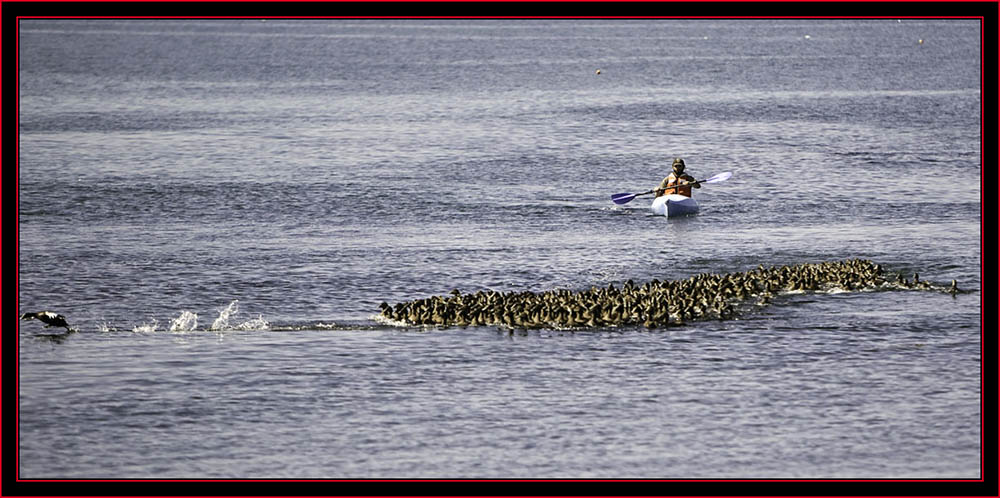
684	190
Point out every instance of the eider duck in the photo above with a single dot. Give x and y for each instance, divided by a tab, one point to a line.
49	318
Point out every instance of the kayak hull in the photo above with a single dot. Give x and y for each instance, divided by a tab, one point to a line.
673	205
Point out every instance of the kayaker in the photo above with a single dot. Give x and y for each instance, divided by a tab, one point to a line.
679	179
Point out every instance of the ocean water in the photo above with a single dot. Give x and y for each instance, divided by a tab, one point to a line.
218	207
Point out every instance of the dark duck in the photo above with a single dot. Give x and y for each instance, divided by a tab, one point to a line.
49	318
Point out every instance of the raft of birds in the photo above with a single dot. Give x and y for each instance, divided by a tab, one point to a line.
653	304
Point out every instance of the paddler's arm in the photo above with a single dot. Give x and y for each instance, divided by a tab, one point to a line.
662	188
690	178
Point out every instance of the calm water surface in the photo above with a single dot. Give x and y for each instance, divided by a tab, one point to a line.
219	207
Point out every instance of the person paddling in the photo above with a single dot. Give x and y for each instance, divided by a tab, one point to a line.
677	182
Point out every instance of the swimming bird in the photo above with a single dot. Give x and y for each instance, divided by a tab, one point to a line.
49	318
386	309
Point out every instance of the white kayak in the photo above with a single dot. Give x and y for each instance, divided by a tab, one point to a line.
672	205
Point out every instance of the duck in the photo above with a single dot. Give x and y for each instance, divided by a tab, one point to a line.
386	309
49	318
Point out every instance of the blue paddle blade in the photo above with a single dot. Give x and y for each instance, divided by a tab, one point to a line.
622	198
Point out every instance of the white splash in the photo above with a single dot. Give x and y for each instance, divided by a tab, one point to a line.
187	322
146	327
222	322
258	323
383	320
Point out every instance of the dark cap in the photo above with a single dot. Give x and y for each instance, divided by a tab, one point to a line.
678	161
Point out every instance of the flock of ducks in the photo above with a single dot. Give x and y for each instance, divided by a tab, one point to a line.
653	304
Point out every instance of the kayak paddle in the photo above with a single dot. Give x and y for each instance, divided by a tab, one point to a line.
625	197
